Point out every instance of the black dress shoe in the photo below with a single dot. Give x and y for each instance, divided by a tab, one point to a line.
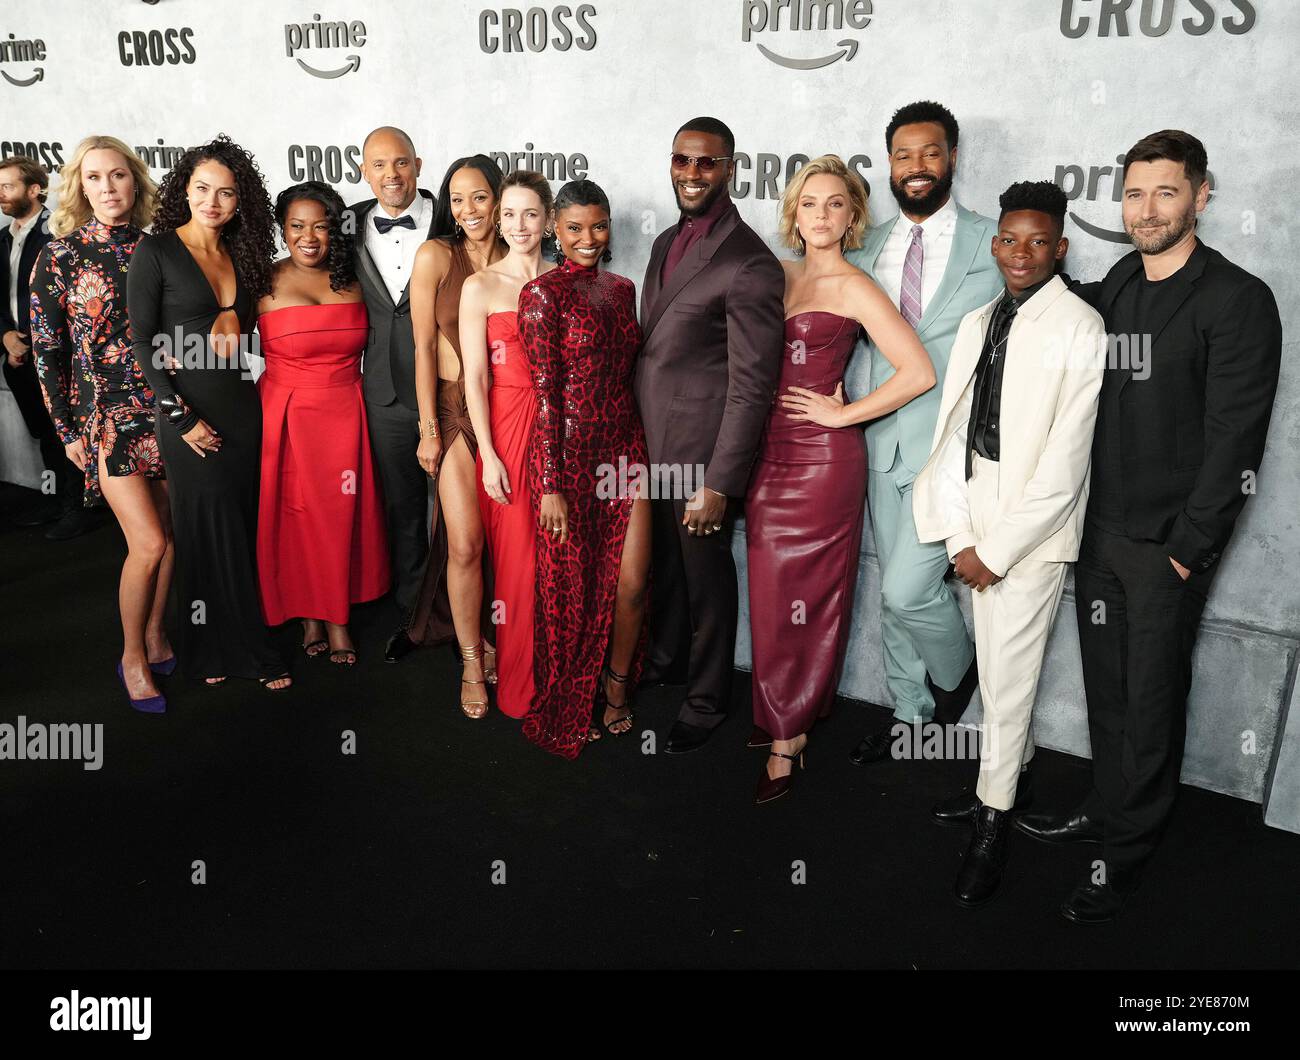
1057	828
950	706
1092	903
873	747
961	808
399	646
684	737
981	870
71	524
759	737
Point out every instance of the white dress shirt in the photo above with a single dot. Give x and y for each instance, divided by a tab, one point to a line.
936	245
19	234
393	252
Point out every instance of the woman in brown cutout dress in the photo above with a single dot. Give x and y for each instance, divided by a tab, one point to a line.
451	600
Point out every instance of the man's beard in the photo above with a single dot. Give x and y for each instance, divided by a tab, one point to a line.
709	199
927	203
1163	238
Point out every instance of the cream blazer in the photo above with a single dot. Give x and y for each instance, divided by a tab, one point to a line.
1052	372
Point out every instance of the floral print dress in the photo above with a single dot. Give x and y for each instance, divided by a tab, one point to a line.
93	386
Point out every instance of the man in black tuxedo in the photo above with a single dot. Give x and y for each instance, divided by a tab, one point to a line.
1196	345
22	198
388	230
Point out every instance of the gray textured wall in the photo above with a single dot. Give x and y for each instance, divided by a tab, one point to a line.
1042	88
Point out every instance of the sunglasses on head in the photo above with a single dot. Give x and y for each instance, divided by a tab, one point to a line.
705	163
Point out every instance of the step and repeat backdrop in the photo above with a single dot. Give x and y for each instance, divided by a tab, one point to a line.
1053	89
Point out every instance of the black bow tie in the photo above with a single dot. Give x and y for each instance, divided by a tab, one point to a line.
383	224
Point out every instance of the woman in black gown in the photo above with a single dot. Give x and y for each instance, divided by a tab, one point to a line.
191	296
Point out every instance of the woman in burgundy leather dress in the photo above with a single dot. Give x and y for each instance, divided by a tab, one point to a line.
804	508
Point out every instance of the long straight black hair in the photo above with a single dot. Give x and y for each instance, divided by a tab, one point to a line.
444	225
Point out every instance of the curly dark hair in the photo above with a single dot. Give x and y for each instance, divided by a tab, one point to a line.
923	110
580	193
1042	195
342	273
444	225
250	234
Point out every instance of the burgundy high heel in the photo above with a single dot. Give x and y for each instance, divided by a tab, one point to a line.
148	705
770	788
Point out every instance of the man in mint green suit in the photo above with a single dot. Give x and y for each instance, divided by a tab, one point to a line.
934	261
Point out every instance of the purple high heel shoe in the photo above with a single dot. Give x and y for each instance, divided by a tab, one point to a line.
165	668
149	705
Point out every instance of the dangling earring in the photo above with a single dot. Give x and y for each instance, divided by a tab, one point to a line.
607	257
460	231
559	255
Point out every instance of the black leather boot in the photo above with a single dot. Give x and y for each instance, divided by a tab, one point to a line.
981	870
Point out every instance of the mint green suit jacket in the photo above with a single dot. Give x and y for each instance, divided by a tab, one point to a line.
970	280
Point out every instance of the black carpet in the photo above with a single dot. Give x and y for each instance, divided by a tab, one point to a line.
386	858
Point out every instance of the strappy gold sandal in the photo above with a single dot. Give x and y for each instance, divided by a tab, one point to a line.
489	663
473	708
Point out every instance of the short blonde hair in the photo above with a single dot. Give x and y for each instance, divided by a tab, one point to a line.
74	208
834	166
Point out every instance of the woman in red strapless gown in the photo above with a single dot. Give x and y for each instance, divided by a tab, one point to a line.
322	542
510	528
503	424
807	495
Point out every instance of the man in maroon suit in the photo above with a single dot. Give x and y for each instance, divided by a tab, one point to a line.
712	314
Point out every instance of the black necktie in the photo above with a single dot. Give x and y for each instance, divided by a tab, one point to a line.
383	224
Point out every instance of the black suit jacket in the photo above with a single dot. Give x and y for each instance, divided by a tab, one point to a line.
36	240
1194	427
711	352
22	381
388	372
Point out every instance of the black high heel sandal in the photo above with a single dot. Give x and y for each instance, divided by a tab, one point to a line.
602	704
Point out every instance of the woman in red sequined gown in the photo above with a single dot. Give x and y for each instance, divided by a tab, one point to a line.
579	328
503	426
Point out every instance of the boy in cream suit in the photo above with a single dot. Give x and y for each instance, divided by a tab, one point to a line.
1006	487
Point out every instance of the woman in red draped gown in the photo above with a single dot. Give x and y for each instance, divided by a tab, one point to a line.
503	425
580	332
321	537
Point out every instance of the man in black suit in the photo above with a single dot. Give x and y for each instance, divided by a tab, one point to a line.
388	230
22	198
1196	346
713	320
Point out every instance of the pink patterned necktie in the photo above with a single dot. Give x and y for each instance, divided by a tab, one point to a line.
909	295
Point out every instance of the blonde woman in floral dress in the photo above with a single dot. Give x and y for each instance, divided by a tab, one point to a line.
79	337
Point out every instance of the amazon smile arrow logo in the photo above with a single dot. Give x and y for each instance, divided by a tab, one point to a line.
849	50
319	35
23	82
1099	233
803	16
353	63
